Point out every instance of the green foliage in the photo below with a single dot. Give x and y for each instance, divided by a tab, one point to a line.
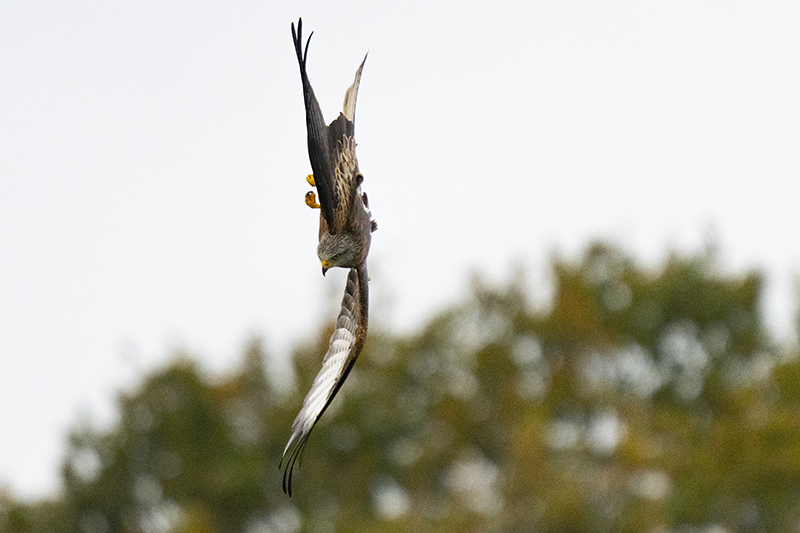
638	400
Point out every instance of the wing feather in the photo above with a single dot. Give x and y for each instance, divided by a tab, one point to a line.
344	347
319	148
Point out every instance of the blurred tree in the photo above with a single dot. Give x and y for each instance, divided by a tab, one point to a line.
637	400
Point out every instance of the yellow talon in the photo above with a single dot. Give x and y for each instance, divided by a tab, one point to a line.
311	200
310	180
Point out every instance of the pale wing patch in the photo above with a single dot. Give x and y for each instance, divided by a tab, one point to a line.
333	366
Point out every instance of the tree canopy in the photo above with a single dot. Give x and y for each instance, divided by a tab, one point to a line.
637	400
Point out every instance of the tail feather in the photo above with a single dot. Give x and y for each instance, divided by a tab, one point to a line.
349	105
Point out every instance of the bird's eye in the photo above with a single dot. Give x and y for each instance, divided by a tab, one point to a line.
334	257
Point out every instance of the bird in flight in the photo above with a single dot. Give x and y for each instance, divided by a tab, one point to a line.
345	233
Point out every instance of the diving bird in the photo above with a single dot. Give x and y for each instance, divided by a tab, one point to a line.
345	233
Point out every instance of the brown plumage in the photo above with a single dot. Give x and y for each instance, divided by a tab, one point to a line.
345	233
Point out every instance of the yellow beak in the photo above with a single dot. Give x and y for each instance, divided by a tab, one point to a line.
325	266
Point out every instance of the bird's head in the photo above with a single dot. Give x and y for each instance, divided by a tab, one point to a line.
337	251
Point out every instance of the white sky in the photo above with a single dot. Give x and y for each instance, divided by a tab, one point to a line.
152	164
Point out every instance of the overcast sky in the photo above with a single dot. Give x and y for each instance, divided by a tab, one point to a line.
153	155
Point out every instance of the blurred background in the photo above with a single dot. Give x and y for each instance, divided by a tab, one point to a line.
584	285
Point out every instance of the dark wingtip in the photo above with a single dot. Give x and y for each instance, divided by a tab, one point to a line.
286	485
297	38
287	479
308	41
297	35
293	459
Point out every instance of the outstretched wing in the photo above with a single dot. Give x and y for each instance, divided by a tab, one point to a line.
345	345
331	149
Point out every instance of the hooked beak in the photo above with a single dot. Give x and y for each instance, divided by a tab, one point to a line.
325	266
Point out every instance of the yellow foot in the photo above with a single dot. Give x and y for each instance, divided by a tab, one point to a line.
311	200
310	180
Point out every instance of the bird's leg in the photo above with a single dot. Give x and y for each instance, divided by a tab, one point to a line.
311	200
